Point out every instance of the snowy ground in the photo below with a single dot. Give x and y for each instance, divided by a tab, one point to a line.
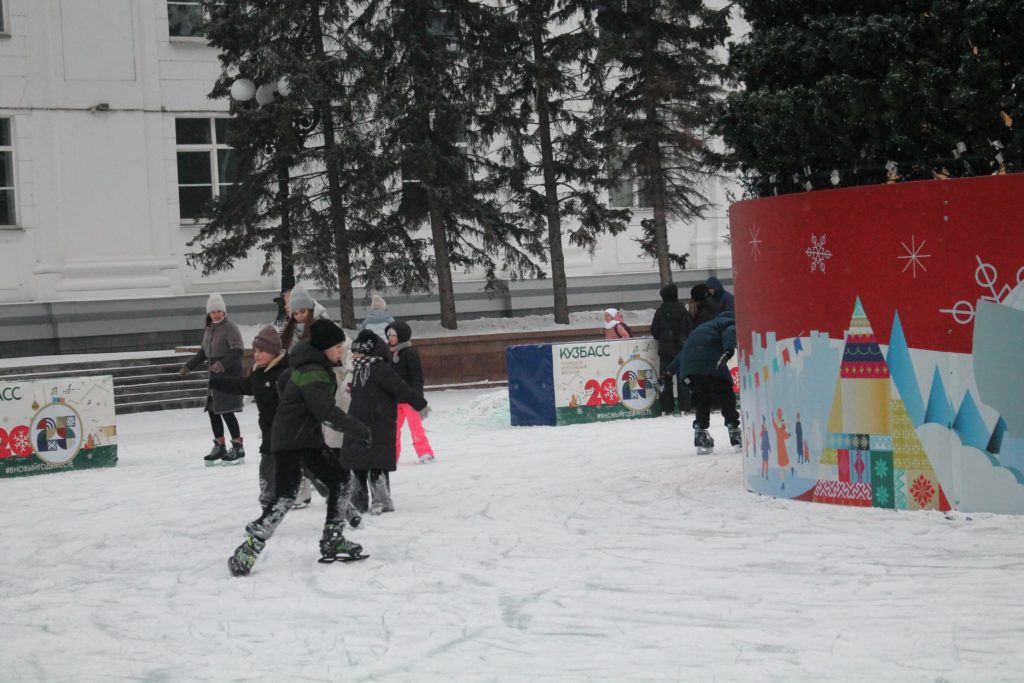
595	552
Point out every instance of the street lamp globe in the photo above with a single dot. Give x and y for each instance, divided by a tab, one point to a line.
243	90
264	95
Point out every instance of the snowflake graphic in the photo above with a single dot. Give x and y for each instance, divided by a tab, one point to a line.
755	243
987	277
914	256
20	441
881	495
922	490
818	253
881	469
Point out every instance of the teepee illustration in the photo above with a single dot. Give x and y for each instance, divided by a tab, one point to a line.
872	455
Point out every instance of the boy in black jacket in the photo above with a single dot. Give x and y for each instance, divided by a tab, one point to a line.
407	363
269	362
307	391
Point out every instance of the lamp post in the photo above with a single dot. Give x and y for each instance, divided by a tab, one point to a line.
292	131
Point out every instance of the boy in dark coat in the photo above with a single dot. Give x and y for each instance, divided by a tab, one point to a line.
702	366
377	390
406	362
269	362
307	391
671	326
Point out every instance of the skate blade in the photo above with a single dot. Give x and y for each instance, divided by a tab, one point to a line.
236	568
212	463
342	558
705	451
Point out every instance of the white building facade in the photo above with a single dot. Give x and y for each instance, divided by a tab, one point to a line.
107	136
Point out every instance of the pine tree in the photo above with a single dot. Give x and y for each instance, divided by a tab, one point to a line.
658	77
557	169
433	70
302	157
861	92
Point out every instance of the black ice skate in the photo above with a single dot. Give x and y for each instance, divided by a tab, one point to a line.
235	456
736	437
216	453
241	561
703	441
334	547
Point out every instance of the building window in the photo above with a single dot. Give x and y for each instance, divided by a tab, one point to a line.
207	166
632	190
185	18
7	213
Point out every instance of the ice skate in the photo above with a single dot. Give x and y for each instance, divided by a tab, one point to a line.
242	560
216	453
236	455
427	458
703	441
304	497
334	547
381	496
736	437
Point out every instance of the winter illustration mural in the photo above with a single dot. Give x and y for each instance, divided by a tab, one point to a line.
879	366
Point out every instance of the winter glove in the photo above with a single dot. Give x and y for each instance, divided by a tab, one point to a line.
724	358
425	413
183	373
688	383
217	368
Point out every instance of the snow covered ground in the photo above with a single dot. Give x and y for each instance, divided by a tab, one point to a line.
606	552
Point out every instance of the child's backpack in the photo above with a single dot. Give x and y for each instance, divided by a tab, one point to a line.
626	328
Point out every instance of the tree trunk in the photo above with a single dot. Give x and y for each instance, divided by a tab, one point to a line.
343	264
445	288
559	285
652	156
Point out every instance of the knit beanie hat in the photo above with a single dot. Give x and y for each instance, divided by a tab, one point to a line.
300	298
378	302
268	340
365	342
670	292
215	303
699	293
324	334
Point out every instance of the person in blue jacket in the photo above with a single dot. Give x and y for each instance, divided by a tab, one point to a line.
702	366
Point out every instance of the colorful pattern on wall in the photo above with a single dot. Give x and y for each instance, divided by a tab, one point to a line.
913	401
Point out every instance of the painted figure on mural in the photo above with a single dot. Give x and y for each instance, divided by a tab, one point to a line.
766	447
781	453
798	430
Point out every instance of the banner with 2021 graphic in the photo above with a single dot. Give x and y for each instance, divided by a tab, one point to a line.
57	424
608	379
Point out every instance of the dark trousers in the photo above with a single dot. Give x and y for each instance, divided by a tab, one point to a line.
709	391
327	469
217	422
361	486
667	399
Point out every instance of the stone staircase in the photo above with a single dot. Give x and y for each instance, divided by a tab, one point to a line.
140	384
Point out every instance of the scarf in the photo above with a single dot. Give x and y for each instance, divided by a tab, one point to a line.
398	347
361	369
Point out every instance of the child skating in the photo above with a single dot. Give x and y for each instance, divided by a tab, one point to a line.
307	391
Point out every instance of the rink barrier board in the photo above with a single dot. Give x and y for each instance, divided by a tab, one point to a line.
57	424
880	331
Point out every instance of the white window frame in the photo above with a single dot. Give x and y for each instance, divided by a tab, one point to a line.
211	149
13	187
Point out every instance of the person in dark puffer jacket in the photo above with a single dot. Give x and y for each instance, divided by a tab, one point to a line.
671	326
406	362
307	403
718	298
377	392
702	365
269	362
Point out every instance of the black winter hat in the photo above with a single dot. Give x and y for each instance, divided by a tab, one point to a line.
324	334
366	341
670	293
699	293
402	330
